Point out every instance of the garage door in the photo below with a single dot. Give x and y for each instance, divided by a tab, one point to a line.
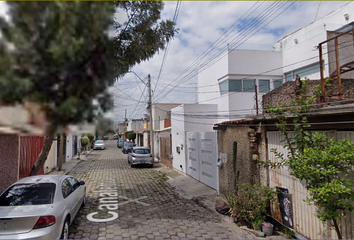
202	157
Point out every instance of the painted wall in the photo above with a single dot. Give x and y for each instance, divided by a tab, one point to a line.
208	76
178	138
51	162
309	37
146	139
189	118
69	148
237	64
161	111
135	124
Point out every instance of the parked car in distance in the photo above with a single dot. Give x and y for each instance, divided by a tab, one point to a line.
99	144
105	137
140	156
127	147
115	137
40	206
120	142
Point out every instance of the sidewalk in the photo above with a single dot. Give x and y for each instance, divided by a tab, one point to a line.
68	166
189	188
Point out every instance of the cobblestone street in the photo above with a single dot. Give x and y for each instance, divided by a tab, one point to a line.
137	203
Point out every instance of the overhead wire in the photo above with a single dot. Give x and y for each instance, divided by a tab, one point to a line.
262	73
192	74
214	44
168	46
328	52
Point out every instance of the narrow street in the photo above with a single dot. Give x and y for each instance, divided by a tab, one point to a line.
137	203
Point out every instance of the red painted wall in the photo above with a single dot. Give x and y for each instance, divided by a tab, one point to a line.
30	148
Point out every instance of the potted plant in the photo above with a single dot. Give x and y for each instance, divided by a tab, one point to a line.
257	223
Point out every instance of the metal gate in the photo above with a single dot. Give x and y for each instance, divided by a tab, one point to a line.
202	157
304	219
166	151
30	148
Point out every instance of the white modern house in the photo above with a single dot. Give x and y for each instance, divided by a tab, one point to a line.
194	142
230	87
229	81
300	51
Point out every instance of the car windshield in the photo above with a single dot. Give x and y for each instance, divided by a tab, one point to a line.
99	141
142	151
128	144
28	194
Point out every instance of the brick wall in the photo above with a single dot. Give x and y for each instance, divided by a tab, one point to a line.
285	93
9	160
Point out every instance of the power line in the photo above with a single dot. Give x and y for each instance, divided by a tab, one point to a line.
190	75
168	45
138	102
214	44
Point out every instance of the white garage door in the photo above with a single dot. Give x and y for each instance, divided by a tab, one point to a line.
202	157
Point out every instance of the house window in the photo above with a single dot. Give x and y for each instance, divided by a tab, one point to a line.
238	85
277	83
264	85
303	72
248	85
235	85
224	87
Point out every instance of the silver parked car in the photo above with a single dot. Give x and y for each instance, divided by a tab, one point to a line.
40	206
99	144
140	156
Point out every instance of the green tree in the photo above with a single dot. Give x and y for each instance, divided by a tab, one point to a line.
323	163
62	56
131	135
142	34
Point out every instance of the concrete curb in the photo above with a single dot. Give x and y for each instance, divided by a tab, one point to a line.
68	166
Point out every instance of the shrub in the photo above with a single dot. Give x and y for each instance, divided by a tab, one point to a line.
249	204
91	137
85	142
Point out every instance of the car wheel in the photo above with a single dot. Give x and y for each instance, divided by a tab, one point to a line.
65	232
131	165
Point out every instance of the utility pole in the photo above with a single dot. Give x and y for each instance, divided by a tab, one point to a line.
151	121
125	121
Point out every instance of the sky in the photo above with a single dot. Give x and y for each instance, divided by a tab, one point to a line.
235	24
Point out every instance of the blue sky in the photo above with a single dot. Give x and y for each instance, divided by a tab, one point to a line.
200	25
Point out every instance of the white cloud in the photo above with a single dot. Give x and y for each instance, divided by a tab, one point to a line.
200	24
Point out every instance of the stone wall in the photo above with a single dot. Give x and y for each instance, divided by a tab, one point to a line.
286	92
9	160
246	168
